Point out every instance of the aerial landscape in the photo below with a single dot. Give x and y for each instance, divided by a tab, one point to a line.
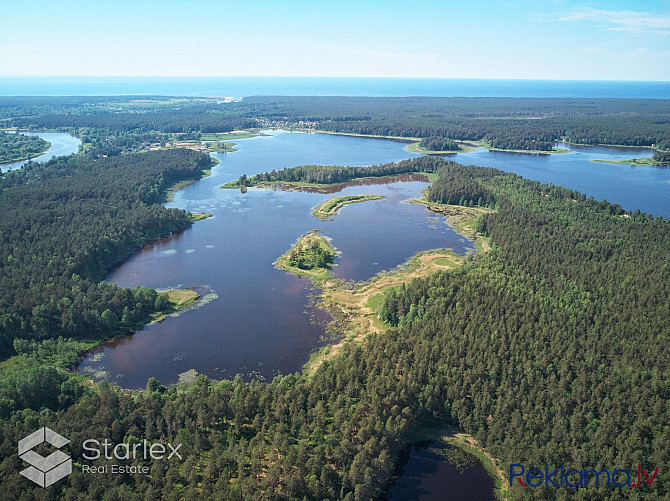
335	250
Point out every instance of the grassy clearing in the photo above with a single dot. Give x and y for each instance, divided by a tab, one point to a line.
330	208
198	216
356	309
181	299
311	256
463	219
633	161
220	147
229	136
178	300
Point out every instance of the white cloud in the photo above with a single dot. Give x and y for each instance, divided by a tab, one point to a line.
624	20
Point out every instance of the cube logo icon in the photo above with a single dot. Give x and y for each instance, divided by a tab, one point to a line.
44	471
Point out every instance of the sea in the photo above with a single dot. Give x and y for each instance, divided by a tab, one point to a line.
240	87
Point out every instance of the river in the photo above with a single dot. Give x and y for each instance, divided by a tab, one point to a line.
61	144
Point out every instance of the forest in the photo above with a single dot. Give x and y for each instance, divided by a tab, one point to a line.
14	147
437	143
544	349
504	123
533	124
332	174
65	223
553	347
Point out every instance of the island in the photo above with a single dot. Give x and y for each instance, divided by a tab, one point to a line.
329	209
316	176
311	256
565	296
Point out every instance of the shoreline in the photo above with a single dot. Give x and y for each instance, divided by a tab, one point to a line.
469	145
355	312
180	300
452	435
355	309
638	162
330	208
23	159
28	157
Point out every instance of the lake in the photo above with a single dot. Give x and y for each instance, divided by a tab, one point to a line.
61	144
633	187
259	321
436	471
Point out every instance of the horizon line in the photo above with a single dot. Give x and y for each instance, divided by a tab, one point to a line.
342	78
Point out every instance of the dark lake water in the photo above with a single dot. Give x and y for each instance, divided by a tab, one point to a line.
435	471
61	144
260	322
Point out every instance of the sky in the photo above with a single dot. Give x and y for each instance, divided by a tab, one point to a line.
565	40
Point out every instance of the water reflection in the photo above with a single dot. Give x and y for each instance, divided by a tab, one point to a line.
436	471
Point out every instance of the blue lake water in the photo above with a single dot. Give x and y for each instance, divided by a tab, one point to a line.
633	187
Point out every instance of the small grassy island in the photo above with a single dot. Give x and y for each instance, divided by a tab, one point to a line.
660	159
17	147
329	208
173	301
311	256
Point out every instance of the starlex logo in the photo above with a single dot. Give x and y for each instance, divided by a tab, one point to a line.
538	477
45	471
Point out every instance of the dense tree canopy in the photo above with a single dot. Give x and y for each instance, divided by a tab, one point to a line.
437	143
507	123
65	223
20	147
332	174
551	348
